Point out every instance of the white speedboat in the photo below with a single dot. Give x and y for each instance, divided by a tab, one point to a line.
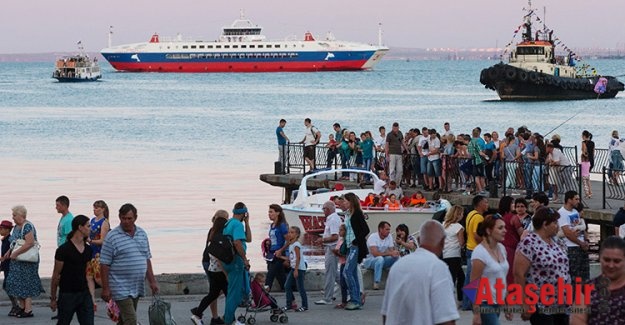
305	211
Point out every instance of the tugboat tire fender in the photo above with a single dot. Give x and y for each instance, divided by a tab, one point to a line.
556	81
493	73
565	84
533	77
511	74
484	76
523	76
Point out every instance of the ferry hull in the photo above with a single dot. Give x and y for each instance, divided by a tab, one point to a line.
245	62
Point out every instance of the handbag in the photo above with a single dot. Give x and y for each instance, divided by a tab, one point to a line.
32	254
343	250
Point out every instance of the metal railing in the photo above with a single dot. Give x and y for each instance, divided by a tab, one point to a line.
613	185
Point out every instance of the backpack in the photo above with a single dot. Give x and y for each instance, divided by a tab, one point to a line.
314	131
221	247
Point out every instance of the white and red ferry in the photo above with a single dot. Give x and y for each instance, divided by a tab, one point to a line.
242	48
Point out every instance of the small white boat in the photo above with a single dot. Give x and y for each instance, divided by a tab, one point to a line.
306	213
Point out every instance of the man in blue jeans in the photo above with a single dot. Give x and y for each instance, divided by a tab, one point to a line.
382	252
238	283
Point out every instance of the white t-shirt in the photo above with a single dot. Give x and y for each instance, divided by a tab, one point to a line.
378	186
452	245
559	157
332	225
309	137
493	269
380	141
293	257
419	291
569	219
381	244
434	144
399	193
422	141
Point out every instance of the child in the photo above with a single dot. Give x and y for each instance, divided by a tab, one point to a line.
260	298
586	175
332	150
298	270
5	232
342	259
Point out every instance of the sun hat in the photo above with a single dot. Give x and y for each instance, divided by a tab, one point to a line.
6	224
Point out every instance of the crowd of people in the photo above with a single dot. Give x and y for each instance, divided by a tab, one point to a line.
90	253
474	162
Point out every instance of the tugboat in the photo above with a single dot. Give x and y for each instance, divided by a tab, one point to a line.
77	68
534	72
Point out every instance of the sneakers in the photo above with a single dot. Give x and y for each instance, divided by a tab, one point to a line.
323	302
196	317
376	286
197	320
352	306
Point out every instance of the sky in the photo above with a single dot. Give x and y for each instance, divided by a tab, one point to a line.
35	26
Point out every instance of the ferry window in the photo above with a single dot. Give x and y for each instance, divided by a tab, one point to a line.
201	46
252	46
260	46
226	46
268	46
185	47
218	46
193	46
277	46
235	46
209	46
243	46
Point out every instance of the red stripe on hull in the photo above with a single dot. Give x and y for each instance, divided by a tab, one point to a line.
238	66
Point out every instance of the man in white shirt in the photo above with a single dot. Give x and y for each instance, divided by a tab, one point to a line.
577	249
312	136
380	140
329	239
382	252
380	185
447	129
421	275
394	189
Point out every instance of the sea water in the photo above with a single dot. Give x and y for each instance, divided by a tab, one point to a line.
181	146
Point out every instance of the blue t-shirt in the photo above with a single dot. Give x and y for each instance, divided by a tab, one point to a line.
276	235
234	228
64	228
490	146
281	139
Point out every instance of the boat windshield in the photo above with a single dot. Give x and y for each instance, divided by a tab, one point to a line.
530	50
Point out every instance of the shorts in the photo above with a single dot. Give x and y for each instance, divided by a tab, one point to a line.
478	170
309	152
434	168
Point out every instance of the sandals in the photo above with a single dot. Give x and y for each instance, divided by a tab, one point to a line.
14	311
24	314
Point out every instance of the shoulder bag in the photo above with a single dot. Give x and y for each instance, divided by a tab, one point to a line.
32	254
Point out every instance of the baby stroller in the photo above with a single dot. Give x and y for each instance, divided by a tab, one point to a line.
262	301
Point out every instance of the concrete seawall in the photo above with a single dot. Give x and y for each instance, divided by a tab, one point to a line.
196	284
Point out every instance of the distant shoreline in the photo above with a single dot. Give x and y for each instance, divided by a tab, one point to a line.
400	54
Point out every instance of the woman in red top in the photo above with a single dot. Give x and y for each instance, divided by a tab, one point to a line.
514	230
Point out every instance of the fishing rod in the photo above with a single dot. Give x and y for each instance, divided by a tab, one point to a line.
559	125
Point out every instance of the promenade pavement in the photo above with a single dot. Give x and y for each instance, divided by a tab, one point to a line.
316	315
